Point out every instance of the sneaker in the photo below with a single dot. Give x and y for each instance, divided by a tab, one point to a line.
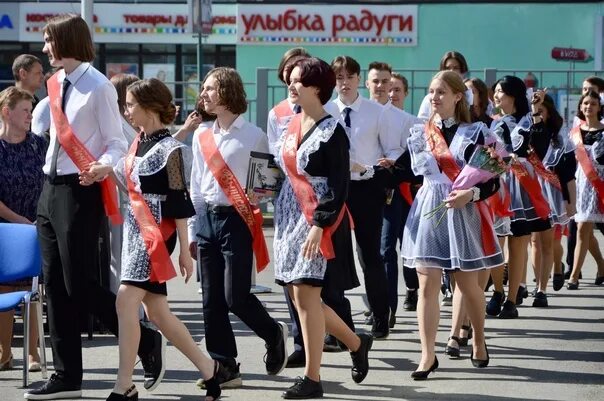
54	389
275	358
494	305
228	376
360	359
448	299
154	363
296	359
540	300
509	311
410	303
303	389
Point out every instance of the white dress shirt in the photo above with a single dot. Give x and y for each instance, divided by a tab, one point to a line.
371	135
401	123
40	122
276	126
235	145
92	112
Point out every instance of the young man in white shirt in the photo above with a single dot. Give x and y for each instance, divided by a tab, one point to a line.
373	149
222	230
379	83
71	206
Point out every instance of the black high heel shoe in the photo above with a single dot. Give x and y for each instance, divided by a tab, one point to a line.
212	386
125	396
463	341
453	352
480	363
423	374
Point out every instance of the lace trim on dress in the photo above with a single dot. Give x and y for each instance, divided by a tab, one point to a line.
321	134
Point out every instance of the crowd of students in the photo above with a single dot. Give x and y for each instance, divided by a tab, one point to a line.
351	163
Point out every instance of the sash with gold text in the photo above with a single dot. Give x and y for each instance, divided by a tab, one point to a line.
251	214
154	235
305	194
444	158
543	172
532	188
587	166
77	152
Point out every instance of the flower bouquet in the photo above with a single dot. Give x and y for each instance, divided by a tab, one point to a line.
481	167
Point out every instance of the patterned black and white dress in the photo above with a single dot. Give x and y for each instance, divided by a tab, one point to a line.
323	158
159	174
587	197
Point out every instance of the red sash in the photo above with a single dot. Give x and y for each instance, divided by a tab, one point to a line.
444	158
77	152
307	199
501	205
533	189
283	109
251	214
405	190
154	235
544	173
587	166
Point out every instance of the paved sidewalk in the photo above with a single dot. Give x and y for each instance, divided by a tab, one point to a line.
547	354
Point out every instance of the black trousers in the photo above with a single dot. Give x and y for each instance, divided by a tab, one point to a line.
69	221
366	201
226	258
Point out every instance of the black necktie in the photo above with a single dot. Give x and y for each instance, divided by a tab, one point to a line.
297	109
55	152
347	111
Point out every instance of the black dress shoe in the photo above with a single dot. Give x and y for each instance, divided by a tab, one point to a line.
380	329
599	280
296	359
572	286
276	353
410	303
480	363
558	281
453	352
423	374
494	304
360	358
509	311
540	300
127	396
303	389
54	389
154	362
522	293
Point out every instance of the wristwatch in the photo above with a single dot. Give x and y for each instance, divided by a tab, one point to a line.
475	194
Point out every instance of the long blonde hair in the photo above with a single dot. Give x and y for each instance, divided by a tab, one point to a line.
455	82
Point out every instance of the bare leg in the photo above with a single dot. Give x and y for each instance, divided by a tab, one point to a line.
177	333
428	313
458	316
536	253
6	334
34	356
594	249
308	304
546	244
517	258
468	283
497	272
558	254
340	330
127	304
584	232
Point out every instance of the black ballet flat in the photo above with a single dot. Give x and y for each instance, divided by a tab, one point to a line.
124	397
453	352
599	280
480	363
211	385
423	374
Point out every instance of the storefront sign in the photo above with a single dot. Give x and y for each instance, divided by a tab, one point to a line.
132	23
569	54
315	24
9	22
